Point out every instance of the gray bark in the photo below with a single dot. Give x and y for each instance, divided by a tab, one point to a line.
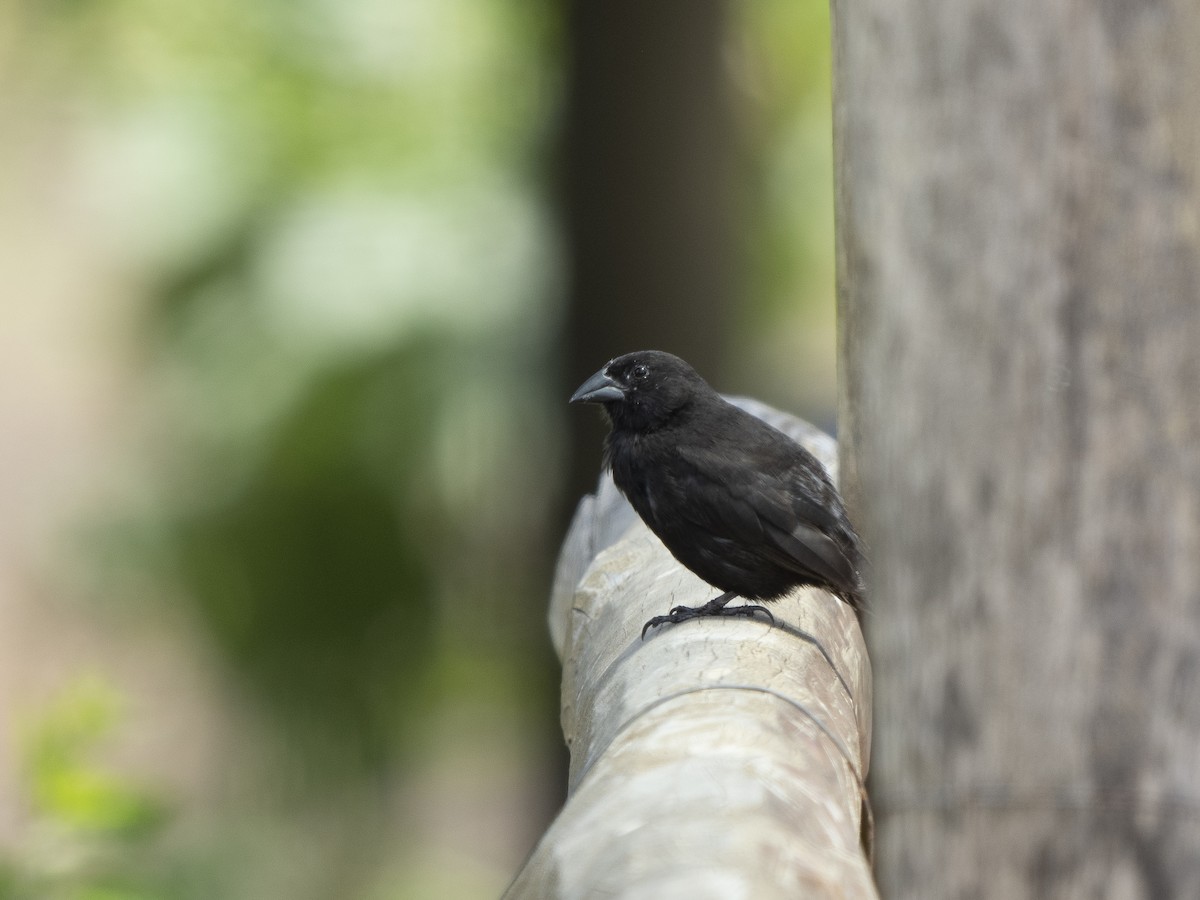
1018	265
715	759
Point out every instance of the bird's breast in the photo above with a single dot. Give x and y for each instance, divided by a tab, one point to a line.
633	460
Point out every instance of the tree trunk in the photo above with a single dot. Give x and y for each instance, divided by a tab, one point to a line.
649	142
715	759
1019	265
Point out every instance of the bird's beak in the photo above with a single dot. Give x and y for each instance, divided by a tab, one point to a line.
598	389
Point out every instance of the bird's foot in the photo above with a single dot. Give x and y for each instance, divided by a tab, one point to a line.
712	608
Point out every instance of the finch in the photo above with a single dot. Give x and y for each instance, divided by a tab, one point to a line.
736	501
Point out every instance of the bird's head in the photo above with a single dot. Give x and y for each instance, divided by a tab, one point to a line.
642	391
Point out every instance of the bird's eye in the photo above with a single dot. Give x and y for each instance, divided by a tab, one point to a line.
640	373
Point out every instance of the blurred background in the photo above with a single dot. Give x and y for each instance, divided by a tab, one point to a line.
292	296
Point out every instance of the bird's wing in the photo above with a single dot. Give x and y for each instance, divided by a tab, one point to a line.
785	509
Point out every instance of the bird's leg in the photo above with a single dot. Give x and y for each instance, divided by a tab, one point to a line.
715	607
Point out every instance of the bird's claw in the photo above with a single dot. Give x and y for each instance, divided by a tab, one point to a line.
659	620
683	613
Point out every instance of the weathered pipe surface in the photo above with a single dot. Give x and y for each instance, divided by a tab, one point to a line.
716	759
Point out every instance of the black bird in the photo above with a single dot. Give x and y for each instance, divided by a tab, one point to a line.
736	501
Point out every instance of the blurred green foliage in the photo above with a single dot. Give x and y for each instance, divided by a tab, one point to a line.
364	250
786	76
66	785
314	578
92	832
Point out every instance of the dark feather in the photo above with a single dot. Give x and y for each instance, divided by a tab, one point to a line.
736	501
